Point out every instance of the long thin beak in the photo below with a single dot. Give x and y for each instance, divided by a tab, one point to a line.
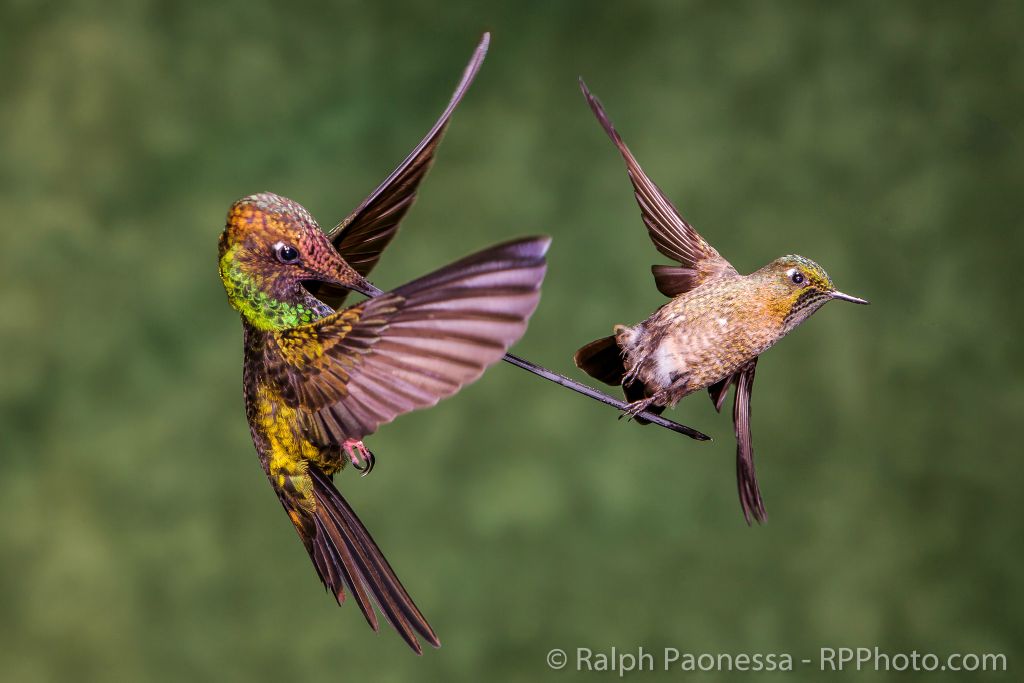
339	273
367	289
357	283
851	299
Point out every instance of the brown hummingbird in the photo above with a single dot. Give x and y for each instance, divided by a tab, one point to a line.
712	331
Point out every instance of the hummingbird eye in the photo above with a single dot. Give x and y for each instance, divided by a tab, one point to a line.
286	253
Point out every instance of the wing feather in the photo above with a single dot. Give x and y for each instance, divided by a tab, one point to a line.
670	233
367	231
361	367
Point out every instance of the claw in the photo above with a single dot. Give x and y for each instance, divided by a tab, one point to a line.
370	461
636	407
362	458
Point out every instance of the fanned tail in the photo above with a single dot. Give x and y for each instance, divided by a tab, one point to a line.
602	360
345	555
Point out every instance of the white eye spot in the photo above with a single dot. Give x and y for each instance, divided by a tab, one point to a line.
286	253
795	276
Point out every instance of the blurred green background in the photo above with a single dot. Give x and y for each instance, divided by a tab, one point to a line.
140	540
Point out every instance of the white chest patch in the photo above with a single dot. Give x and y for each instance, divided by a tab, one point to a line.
667	363
723	323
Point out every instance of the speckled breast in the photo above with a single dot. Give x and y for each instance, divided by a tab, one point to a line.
701	337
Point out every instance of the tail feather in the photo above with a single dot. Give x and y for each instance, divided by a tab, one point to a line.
750	493
602	360
334	559
746	478
345	555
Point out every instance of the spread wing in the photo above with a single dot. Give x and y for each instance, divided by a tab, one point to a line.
359	368
672	236
368	230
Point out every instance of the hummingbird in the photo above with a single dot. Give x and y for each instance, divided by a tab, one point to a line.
319	381
713	330
319	377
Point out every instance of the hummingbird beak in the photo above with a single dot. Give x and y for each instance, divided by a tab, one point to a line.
851	299
369	290
355	282
339	273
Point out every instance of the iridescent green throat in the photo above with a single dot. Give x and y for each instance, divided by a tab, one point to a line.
249	295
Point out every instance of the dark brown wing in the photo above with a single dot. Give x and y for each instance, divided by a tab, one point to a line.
672	236
746	478
360	368
368	230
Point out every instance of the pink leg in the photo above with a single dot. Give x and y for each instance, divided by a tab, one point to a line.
361	456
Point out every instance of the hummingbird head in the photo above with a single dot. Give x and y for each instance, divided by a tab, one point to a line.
800	287
270	246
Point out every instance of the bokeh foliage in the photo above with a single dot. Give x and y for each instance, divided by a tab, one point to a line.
884	140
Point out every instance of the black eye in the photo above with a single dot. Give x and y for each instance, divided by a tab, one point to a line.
286	253
797	278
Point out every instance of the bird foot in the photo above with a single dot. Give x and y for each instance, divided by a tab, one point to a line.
361	456
636	407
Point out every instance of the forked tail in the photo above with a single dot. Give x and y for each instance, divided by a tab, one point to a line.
346	556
